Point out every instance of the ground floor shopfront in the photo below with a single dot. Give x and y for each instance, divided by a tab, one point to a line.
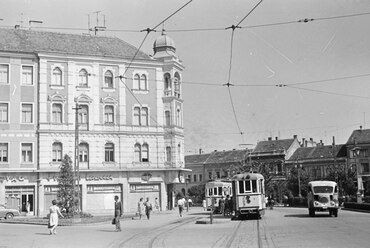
32	192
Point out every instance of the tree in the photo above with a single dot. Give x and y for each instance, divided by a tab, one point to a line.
197	193
292	184
346	180
68	199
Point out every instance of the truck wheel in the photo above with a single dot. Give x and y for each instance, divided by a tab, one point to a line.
9	216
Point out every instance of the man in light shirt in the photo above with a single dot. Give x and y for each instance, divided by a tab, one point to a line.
181	203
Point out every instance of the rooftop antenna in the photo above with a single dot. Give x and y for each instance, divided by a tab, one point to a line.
97	27
33	21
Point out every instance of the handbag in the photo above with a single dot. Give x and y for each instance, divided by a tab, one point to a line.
113	221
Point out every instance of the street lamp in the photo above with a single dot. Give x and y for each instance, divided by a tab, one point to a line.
356	152
299	166
187	180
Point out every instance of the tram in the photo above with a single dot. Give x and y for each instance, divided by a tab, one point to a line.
248	195
214	191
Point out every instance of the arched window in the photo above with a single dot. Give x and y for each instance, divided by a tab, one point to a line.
57	77
136	83
177	85
109	152
57	152
82	78
137	152
167	81
178	117
83	114
136	120
179	152
167	115
108	114
57	113
143	83
144	116
108	79
84	152
145	153
168	154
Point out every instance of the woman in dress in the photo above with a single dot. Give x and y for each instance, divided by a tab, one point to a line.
53	217
141	207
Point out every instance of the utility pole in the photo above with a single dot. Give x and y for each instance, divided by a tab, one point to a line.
76	171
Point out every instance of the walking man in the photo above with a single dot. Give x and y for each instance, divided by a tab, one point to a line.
148	208
180	204
117	213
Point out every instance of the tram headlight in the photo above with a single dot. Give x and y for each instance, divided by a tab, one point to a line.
332	203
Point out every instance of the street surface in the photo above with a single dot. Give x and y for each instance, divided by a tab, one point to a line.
281	227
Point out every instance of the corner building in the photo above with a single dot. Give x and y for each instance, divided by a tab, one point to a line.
129	137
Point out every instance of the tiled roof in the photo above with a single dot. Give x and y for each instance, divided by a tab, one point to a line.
19	40
217	157
362	136
272	145
319	152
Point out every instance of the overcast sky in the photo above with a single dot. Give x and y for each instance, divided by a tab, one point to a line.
325	62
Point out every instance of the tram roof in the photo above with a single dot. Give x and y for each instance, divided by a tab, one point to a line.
248	176
322	183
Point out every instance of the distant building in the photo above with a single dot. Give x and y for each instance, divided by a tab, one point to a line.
129	117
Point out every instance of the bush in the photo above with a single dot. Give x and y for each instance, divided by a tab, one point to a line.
355	205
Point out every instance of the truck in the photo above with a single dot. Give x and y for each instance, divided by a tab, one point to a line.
323	196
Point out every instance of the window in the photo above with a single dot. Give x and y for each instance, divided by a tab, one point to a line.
82	78
4	77
3	112
200	177
210	175
108	114
168	154
178	117
137	152
245	186
195	178
57	152
144	116
218	174
365	168
26	113
83	152
167	82
83	114
27	75
27	153
109	152
143	82
140	116
145	153
108	79
167	115
136	83
179	152
3	152
136	120
57	77
57	113
140	82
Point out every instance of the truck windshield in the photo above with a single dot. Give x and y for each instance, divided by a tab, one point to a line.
322	189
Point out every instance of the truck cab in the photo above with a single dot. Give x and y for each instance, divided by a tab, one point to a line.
322	196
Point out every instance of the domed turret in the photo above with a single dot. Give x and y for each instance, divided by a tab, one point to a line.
164	46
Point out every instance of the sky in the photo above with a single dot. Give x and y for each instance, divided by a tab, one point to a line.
324	63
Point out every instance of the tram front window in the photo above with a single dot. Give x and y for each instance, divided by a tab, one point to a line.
254	186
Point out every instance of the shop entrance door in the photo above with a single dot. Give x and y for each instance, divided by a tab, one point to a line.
27	203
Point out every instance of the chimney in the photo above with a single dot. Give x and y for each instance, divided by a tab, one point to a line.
303	142
269	138
321	143
276	138
17	26
333	141
200	151
360	127
311	139
294	136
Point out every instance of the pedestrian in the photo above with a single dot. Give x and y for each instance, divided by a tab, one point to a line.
117	213
227	206
181	203
156	204
204	204
148	208
190	202
28	207
221	205
53	217
141	207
